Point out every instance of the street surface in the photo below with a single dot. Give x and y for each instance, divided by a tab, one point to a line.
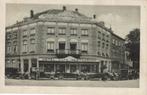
73	83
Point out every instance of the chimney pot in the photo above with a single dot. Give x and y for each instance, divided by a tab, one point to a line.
64	8
31	13
76	9
94	16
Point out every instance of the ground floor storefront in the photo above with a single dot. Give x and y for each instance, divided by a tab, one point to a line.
44	67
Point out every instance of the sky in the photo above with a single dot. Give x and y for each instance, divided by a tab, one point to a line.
122	19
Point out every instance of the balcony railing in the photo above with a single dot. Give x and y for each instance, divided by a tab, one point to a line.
67	52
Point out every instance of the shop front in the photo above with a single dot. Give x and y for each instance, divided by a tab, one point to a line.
68	65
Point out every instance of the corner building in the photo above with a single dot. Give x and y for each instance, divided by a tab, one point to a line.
59	40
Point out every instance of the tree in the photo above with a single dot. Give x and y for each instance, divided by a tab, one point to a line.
133	46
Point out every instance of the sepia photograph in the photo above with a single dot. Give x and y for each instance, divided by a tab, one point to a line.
72	45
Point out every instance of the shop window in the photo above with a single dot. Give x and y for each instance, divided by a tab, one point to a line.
26	65
34	62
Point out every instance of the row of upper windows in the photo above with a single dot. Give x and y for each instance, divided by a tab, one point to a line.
117	43
32	32
103	36
50	46
62	31
103	45
103	54
11	35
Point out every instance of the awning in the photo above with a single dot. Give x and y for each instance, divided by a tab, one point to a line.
69	59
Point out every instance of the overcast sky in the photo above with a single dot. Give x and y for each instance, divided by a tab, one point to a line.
121	18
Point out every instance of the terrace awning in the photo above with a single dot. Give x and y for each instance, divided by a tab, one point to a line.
68	59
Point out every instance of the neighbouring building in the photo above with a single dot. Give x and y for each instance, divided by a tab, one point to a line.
61	40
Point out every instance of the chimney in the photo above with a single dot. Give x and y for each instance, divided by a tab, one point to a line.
31	13
94	16
64	8
76	9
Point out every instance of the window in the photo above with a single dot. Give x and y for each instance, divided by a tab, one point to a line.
84	32
113	41
73	31
50	46
14	46
32	45
107	46
103	45
25	46
62	46
99	43
73	46
15	35
99	35
25	32
103	37
61	31
32	32
116	42
9	48
8	35
98	53
51	31
84	47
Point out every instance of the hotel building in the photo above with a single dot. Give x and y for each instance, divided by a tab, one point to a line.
61	40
